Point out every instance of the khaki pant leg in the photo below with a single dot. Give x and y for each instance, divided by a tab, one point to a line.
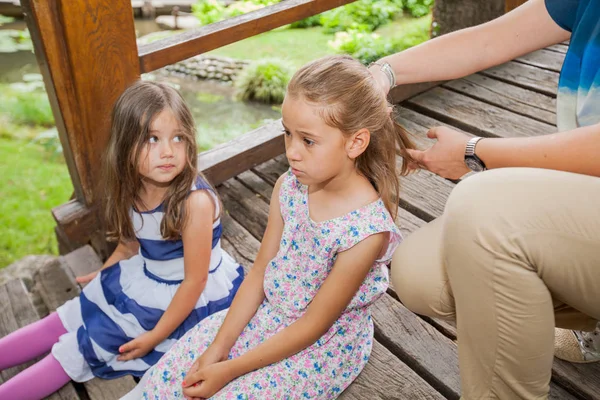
516	243
419	276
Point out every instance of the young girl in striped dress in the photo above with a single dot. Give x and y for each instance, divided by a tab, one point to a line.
167	273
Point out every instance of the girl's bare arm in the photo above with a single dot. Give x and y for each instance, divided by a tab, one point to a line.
251	292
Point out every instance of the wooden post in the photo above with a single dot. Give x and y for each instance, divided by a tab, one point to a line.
512	4
452	15
87	53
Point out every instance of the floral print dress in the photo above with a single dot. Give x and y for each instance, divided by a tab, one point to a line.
306	255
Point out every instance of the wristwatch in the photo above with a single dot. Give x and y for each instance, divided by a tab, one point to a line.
474	163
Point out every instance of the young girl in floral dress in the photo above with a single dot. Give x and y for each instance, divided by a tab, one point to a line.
300	325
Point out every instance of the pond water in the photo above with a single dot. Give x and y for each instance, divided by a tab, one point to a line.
219	116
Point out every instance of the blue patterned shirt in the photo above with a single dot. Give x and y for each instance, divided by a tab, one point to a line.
578	99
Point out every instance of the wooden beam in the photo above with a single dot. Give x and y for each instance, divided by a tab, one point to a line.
188	44
87	52
512	4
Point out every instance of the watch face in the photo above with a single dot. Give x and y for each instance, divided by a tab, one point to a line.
473	164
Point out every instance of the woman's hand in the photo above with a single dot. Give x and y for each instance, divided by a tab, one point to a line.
208	380
446	157
212	355
138	347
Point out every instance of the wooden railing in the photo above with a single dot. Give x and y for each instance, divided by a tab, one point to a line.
88	55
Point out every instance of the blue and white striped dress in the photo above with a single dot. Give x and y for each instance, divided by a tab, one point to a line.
128	299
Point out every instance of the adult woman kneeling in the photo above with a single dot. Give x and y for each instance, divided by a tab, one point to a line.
517	250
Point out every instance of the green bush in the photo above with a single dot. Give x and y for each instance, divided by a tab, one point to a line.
26	102
210	11
363	15
264	81
418	8
369	47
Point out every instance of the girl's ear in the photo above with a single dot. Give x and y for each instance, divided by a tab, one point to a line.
358	143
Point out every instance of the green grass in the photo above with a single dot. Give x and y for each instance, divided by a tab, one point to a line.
32	183
299	46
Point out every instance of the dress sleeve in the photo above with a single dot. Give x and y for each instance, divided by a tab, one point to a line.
361	226
563	12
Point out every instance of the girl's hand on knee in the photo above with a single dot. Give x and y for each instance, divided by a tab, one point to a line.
138	347
207	381
446	157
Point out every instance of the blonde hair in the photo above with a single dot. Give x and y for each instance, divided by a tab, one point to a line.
132	117
350	100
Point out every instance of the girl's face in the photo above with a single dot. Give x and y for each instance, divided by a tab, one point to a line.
315	151
163	156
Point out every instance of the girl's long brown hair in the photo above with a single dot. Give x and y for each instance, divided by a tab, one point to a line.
350	100
132	117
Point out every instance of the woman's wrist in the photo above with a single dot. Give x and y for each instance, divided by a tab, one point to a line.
380	77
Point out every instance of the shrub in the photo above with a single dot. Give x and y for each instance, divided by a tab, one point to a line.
369	47
363	15
264	81
418	8
26	102
209	11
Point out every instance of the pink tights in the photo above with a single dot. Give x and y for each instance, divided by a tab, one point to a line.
41	379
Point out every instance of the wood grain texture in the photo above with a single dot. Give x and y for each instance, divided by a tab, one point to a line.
188	44
544	58
87	62
526	76
475	116
242	153
508	97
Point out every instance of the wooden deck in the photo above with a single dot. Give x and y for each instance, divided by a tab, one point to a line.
413	357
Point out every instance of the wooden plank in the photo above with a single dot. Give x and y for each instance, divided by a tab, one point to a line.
581	379
526	76
509	97
543	58
17	311
240	202
82	262
73	54
256	184
475	116
397	382
386	377
56	285
424	194
402	92
242	153
271	170
559	48
512	4
188	44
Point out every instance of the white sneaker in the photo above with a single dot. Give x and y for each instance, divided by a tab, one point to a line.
577	346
